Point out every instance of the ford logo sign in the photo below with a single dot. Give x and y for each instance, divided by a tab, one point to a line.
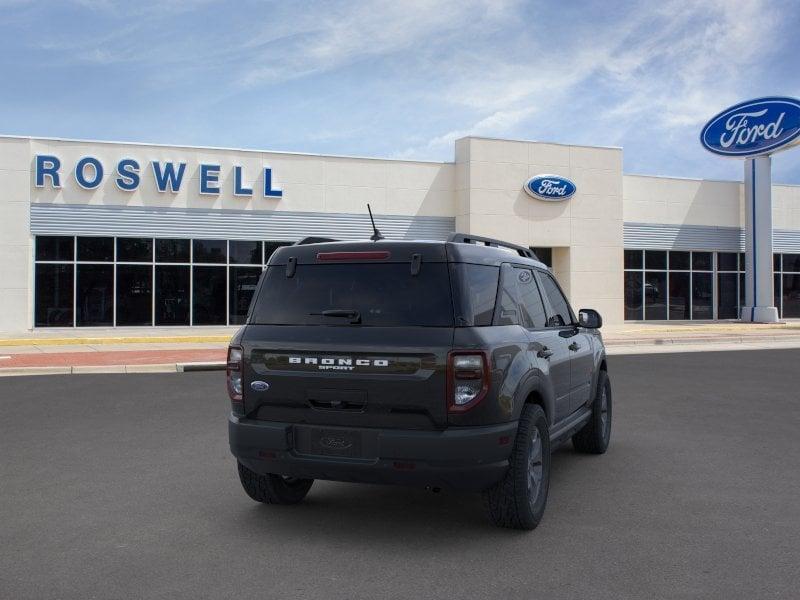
752	128
259	386
550	187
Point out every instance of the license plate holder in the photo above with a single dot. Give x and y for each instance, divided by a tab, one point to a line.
318	441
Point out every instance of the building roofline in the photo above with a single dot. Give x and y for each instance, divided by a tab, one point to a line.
223	149
736	181
496	139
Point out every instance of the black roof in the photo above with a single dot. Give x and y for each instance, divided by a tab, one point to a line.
403	250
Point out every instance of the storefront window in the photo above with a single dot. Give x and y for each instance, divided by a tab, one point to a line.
702	296
173	251
134	250
679	261
655	259
94	305
210	251
245	253
633	259
633	296
243	282
680	300
96	249
208	295
655	296
727	296
54	247
172	295
54	293
791	296
105	281
682	285
134	295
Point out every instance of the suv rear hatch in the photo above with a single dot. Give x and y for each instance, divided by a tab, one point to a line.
351	334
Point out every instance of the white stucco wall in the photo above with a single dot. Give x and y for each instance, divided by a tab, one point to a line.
678	201
310	183
15	240
492	202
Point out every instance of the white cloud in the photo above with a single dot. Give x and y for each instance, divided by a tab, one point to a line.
660	70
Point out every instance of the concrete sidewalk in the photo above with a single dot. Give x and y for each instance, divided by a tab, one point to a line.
177	349
657	337
122	350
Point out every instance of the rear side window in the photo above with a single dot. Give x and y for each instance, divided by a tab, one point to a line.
474	293
562	315
533	313
384	295
508	298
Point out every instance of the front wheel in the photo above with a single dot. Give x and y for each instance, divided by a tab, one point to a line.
595	435
519	499
273	489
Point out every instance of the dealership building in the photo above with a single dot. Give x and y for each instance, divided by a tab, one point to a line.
98	234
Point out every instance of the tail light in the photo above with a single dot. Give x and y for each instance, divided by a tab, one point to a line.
467	379
234	377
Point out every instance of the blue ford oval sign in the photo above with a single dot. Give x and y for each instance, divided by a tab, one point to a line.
550	187
752	128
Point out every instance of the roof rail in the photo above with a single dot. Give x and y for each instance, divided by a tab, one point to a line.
464	238
312	239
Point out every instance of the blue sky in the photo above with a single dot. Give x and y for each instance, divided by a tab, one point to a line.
399	79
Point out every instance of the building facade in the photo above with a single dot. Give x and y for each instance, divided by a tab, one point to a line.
97	234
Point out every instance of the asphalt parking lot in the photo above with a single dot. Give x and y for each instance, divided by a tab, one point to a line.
121	486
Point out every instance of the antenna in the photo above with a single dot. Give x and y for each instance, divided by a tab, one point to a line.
377	235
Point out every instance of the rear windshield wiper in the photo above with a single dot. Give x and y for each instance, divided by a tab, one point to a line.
353	315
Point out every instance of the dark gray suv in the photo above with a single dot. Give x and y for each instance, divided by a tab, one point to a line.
455	364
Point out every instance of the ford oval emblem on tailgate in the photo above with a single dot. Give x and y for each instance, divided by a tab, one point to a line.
259	386
335	443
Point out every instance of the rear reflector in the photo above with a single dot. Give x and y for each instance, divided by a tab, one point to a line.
371	255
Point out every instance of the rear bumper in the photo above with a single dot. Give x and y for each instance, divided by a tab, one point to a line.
465	458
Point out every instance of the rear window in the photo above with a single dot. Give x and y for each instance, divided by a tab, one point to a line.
384	295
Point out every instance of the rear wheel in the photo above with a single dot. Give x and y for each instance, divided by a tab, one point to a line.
595	435
518	500
273	489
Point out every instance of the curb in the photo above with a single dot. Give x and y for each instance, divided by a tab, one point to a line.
739	339
118	369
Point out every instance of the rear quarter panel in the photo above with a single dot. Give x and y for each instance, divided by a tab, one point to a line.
509	365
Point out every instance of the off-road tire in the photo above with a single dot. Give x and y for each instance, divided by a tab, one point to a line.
596	434
273	489
512	502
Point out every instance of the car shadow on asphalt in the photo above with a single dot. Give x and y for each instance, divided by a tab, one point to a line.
346	513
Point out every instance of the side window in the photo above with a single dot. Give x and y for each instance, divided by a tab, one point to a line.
533	313
507	312
474	293
562	315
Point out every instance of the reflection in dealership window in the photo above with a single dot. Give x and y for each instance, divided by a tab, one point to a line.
681	285
172	295
134	295
53	295
243	283
95	295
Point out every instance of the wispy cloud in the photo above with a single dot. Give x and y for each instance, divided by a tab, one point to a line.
394	78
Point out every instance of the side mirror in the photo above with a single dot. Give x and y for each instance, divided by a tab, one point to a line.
590	319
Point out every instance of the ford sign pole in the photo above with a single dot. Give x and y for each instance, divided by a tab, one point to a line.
754	130
759	295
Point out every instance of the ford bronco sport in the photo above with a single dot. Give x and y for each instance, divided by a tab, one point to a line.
455	364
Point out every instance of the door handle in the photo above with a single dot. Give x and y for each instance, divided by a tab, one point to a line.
545	352
574	346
